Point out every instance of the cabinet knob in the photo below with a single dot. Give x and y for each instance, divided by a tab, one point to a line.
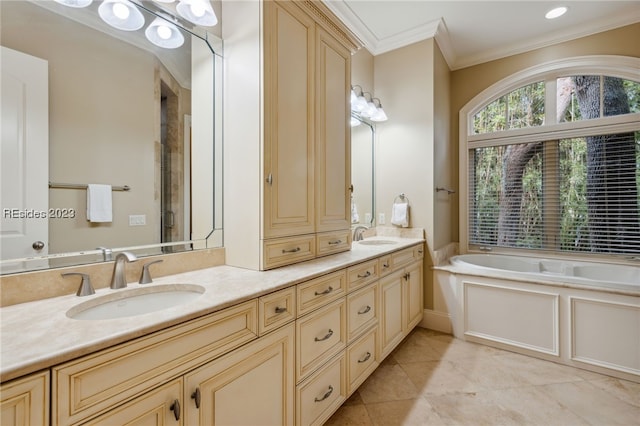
365	310
196	397
295	250
175	407
366	358
321	339
327	291
326	395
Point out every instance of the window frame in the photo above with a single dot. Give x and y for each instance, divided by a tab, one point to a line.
609	65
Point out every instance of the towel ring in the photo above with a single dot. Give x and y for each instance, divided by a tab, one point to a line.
403	198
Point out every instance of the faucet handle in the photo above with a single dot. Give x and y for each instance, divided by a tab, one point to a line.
145	276
85	289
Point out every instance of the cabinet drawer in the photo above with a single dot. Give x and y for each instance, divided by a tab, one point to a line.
94	383
362	310
320	291
333	242
362	274
25	401
361	359
322	394
276	309
285	251
319	336
404	257
158	407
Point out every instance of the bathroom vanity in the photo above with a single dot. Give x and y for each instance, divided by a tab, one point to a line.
286	346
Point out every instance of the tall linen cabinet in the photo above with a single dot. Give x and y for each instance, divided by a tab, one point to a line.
287	79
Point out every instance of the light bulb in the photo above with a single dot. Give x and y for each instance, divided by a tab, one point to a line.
197	9
164	32
121	11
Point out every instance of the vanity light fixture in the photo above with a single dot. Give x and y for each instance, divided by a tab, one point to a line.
369	108
75	3
121	14
556	12
198	12
366	108
355	122
163	33
358	101
379	115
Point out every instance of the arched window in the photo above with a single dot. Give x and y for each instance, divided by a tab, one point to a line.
551	160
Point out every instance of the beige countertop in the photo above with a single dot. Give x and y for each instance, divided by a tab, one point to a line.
38	335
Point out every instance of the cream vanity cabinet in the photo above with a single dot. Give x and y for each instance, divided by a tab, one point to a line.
25	401
401	296
287	114
144	377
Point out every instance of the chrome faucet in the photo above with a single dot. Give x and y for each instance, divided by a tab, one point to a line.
119	278
358	231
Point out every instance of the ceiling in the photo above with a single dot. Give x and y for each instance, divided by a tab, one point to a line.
472	32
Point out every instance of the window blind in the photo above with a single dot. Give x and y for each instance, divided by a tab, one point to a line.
570	195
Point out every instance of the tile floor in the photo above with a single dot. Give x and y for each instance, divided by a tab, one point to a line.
434	379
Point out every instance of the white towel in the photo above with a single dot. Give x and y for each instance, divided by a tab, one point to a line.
99	207
400	214
355	217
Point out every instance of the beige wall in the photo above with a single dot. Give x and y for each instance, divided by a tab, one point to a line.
102	126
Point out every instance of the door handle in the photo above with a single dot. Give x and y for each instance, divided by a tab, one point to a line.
38	245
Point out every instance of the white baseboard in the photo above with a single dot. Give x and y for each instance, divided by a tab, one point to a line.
438	321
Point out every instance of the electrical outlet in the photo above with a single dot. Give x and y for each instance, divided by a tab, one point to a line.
381	219
137	220
367	218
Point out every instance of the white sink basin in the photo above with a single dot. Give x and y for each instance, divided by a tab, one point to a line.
127	303
376	242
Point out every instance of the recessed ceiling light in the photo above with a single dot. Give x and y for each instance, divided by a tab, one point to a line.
555	13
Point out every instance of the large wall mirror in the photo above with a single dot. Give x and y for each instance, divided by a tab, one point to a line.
362	172
118	110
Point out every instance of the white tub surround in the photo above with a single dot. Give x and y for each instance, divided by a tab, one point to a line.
581	314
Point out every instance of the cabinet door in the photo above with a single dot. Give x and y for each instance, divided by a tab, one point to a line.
413	292
288	120
333	134
253	385
162	406
25	401
391	312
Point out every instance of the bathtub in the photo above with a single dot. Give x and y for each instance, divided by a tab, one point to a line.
577	313
589	274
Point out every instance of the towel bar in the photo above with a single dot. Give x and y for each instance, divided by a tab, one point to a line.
449	191
84	186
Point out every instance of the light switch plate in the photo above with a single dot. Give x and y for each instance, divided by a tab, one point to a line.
137	220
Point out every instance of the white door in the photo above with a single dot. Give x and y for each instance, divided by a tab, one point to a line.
24	198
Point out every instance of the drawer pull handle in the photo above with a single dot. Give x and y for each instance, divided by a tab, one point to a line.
366	358
367	274
326	395
295	250
385	265
196	397
175	407
335	242
329	334
322	293
280	310
365	310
